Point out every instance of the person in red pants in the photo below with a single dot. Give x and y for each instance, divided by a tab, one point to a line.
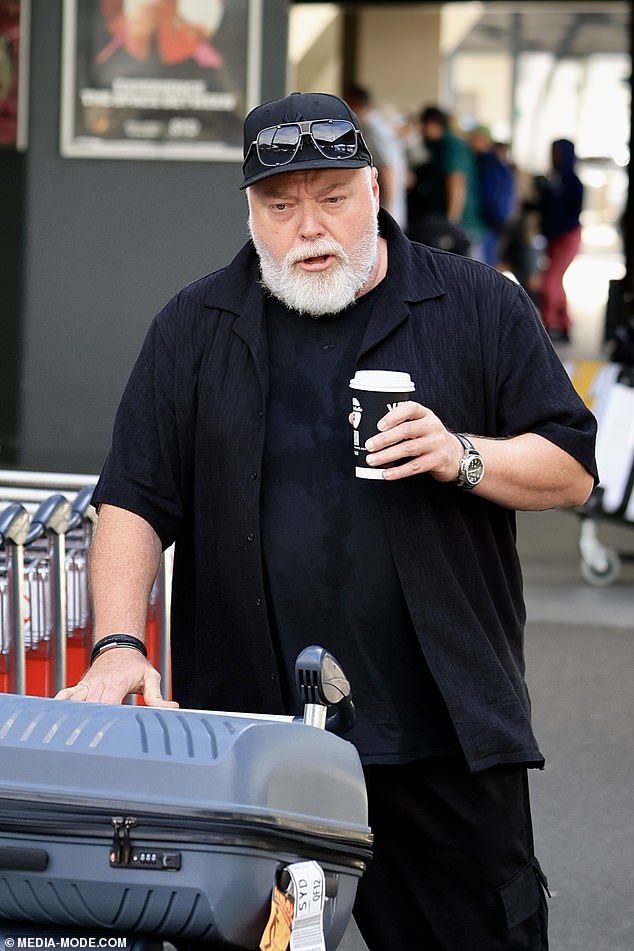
560	202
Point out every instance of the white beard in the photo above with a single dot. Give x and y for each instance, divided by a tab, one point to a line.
322	292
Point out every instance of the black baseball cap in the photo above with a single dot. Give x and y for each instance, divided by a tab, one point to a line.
298	107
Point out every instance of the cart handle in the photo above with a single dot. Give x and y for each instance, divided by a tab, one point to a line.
325	690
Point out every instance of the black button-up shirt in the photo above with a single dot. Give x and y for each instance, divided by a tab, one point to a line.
187	449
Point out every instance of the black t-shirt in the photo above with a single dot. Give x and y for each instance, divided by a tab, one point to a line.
330	571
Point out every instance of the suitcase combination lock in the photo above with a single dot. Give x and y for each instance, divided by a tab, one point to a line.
125	855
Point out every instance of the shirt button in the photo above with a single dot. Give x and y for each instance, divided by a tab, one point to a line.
250	536
258	602
253	475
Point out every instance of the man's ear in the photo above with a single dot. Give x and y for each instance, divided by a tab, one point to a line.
375	187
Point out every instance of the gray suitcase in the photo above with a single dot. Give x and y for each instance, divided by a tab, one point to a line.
172	823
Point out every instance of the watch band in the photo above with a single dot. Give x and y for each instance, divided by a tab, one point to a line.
466	442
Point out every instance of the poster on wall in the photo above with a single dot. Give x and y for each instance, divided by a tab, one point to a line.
158	79
14	32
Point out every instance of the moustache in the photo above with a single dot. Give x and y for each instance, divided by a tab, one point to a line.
316	249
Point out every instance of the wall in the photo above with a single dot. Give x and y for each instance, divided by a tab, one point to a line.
11	257
107	242
485	81
314	48
399	58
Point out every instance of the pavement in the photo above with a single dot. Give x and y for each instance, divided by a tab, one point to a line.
580	661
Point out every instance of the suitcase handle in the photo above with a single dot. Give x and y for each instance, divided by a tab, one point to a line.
23	860
324	690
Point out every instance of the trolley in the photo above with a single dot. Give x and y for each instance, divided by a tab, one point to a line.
46	530
608	388
184	825
159	824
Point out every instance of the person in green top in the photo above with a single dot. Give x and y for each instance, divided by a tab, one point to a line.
447	185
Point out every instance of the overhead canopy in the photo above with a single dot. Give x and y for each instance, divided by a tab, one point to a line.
562	27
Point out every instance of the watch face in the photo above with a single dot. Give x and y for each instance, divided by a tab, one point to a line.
474	470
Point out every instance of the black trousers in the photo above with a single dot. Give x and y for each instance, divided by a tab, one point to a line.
454	866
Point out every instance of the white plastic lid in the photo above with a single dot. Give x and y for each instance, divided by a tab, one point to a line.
387	381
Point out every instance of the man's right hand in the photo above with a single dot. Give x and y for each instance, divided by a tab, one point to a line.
115	674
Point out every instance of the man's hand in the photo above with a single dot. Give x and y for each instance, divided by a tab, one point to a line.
526	472
116	673
412	433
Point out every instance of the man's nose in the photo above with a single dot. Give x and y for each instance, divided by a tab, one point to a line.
311	224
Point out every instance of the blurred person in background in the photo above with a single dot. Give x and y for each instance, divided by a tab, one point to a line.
387	150
444	199
559	202
497	191
521	249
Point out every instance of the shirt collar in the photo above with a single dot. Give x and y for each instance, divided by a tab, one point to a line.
411	272
411	267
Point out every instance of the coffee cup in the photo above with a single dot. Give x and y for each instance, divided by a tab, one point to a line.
374	393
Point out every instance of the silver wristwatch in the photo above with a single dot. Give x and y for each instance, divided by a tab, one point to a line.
471	470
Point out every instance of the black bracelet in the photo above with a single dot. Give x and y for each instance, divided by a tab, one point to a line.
117	640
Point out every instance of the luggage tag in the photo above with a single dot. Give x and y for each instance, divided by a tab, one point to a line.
308	888
277	933
298	912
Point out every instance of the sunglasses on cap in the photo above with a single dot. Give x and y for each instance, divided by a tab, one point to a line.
335	139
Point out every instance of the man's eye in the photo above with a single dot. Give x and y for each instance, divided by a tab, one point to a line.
280	206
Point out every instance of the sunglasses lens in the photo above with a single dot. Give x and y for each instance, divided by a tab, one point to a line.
278	144
336	139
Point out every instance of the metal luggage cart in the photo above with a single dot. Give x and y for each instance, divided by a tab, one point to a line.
14	525
200	841
600	563
45	597
157	632
44	542
613	499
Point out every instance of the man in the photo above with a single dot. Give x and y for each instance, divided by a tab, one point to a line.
446	186
233	439
496	190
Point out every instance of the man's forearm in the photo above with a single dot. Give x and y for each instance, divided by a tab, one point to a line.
528	472
522	472
124	561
